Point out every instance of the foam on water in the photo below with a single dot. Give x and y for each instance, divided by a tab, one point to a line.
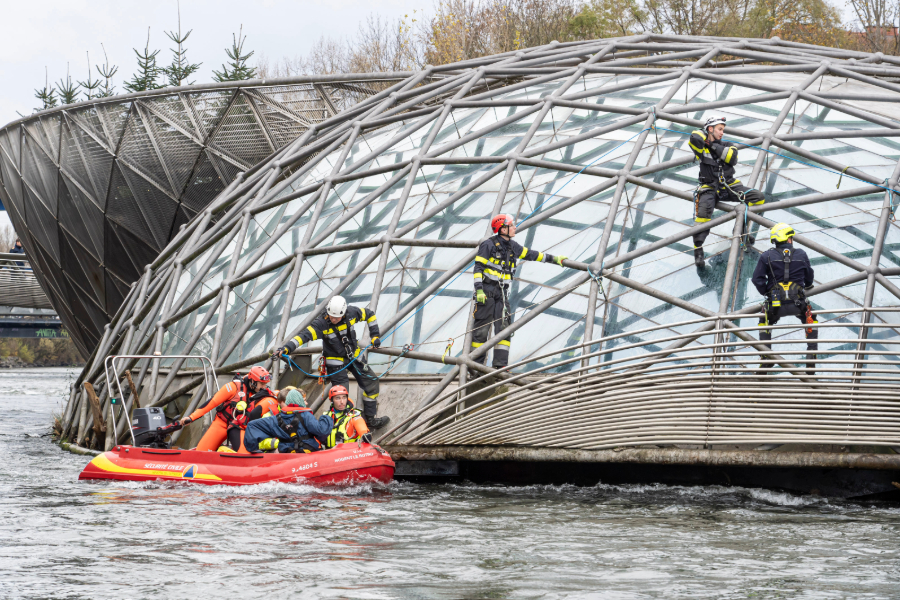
61	538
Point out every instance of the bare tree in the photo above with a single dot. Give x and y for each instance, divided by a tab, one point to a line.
878	19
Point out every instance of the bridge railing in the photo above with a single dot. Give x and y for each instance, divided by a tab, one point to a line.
18	285
717	384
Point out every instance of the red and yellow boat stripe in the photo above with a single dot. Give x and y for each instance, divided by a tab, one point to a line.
187	472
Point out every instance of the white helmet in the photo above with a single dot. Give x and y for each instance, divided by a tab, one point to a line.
337	307
713	121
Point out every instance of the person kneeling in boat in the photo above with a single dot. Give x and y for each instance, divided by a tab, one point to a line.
230	402
293	429
349	424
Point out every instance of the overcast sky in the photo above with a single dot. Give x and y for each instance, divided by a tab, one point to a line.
39	33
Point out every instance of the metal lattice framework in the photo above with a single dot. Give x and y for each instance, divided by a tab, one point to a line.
97	189
586	143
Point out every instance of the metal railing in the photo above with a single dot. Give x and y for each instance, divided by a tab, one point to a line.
701	388
18	285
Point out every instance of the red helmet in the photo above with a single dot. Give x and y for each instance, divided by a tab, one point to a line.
259	374
501	220
337	390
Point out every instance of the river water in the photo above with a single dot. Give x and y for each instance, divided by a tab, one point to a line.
63	539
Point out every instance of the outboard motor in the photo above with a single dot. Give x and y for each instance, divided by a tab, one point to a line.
144	424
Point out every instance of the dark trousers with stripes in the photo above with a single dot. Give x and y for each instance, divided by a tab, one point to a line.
364	377
488	315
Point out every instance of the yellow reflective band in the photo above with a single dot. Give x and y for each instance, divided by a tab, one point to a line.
496	262
356	353
540	257
342	327
313	332
729	154
524	252
334	358
700	150
370	319
477	276
481	259
705	187
735	182
763	201
327	331
373	396
477	344
701	220
700	132
353	321
503	343
362	312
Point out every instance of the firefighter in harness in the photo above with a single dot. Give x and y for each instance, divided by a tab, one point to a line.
342	353
231	403
784	275
717	182
495	264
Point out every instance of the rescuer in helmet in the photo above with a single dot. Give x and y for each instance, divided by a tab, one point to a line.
339	347
349	426
293	429
230	402
783	275
717	161
495	264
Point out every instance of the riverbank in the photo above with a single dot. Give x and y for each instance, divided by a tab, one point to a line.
29	353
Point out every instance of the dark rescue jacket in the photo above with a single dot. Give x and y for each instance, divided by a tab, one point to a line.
496	260
297	430
338	341
715	158
782	273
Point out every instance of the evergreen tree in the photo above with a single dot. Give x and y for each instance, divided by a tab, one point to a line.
147	72
236	69
68	91
47	95
107	73
90	86
181	68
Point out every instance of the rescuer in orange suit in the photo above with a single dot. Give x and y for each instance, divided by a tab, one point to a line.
229	402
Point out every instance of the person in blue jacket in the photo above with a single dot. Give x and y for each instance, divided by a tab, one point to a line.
784	275
293	429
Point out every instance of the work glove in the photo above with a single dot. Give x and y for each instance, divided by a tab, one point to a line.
269	444
376	342
366	437
559	259
480	297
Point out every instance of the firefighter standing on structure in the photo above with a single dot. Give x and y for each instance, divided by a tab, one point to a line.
342	353
717	182
495	264
783	275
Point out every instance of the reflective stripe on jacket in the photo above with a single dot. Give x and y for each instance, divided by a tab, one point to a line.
497	258
332	335
715	157
349	426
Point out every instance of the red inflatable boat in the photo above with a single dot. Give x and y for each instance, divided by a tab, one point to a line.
347	463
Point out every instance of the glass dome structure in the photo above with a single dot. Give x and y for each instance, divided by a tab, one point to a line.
586	144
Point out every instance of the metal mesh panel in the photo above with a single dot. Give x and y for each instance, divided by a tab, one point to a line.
38	170
71	161
114	117
239	135
181	153
122	207
135	249
77	265
89	119
174	109
83	309
12	183
282	129
115	291
51	130
205	184
70	219
158	209
72	200
11	143
43	226
138	151
209	107
116	259
36	134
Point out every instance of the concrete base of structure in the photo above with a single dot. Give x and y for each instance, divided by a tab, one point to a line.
832	474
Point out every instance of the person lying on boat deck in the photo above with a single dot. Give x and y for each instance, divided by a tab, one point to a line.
229	402
293	429
349	424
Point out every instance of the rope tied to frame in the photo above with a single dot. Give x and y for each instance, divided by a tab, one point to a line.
838	186
447	350
890	190
598	279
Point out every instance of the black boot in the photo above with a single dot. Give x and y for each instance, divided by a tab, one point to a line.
698	257
370	408
810	365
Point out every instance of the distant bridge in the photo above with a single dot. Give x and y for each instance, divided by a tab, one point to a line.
25	310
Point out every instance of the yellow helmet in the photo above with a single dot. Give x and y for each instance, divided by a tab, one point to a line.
782	232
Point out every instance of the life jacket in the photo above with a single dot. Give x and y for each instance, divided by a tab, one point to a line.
239	418
786	290
338	433
290	423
